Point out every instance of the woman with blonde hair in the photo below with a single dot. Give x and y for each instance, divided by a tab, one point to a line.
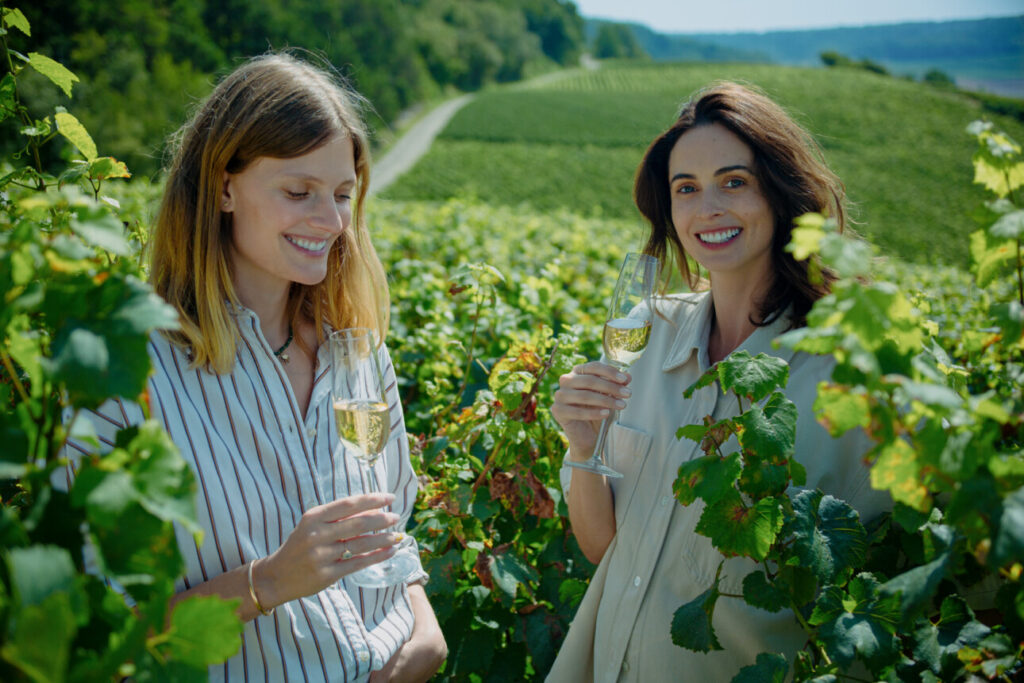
721	187
262	247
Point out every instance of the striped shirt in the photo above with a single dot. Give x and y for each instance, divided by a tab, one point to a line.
259	464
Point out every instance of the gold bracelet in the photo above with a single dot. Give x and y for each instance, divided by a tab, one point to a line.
252	594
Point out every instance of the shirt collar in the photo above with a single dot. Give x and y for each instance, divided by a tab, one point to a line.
695	330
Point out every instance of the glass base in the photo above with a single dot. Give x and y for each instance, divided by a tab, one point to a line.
390	572
596	466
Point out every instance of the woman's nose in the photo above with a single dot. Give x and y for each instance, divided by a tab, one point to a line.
331	215
711	204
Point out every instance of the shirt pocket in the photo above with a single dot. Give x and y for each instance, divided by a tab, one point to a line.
626	451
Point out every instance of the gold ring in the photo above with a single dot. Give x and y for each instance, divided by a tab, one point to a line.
347	555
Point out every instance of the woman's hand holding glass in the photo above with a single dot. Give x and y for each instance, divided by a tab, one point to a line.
596	391
314	555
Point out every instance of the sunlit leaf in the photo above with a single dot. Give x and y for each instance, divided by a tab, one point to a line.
1010	225
840	409
770	431
709	477
739	529
753	378
898	471
55	71
204	631
76	134
15	19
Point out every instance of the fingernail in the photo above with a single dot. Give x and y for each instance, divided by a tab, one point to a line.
605	412
621	377
620	404
398	537
625	392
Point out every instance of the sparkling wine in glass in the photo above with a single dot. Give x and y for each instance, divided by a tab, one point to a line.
626	333
364	424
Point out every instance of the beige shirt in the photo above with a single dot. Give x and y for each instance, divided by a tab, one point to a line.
656	562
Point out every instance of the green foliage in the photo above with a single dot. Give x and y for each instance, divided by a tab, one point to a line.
943	407
616	40
575	142
144	64
75	321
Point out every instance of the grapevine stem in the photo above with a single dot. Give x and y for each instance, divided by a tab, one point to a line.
469	364
14	377
810	630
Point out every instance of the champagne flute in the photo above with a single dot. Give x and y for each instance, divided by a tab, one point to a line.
364	425
626	333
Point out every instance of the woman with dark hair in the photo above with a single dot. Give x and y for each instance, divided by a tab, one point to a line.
262	246
721	187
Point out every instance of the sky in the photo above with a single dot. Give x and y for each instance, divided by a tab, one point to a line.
732	16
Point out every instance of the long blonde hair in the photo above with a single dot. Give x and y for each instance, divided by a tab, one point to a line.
275	106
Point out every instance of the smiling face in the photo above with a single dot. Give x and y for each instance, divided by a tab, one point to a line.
719	211
286	215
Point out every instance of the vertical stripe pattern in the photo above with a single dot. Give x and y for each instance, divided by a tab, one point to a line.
259	464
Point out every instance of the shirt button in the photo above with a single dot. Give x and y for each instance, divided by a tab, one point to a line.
364	657
636	582
311	432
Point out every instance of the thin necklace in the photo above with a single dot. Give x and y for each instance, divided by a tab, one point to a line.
280	353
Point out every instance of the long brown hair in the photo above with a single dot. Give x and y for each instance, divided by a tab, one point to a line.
275	106
790	170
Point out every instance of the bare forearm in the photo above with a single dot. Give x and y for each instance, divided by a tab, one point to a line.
591	512
231	585
421	656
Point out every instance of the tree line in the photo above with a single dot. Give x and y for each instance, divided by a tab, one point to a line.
142	64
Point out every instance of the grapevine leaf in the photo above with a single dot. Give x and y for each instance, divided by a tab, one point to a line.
75	133
839	409
738	529
761	479
53	70
1008	541
15	19
708	477
827	534
770	432
8	103
805	240
753	378
915	587
99	228
989	257
897	470
705	380
691	623
1009	316
711	435
1010	225
937	644
40	571
508	571
864	624
41	640
816	340
204	631
850	258
758	592
542	631
163	481
769	668
444	571
108	167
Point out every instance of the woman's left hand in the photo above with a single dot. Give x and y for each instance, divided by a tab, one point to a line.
421	656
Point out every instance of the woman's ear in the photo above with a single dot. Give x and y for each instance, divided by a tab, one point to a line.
227	204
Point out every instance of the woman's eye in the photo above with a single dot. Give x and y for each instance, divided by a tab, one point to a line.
686	189
296	195
735	182
342	198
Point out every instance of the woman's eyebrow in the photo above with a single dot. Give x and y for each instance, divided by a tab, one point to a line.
721	171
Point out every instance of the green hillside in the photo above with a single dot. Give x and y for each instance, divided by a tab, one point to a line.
900	147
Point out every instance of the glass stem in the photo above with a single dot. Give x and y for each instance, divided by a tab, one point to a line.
602	436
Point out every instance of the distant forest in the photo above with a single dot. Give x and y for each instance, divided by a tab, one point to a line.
970	50
143	63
